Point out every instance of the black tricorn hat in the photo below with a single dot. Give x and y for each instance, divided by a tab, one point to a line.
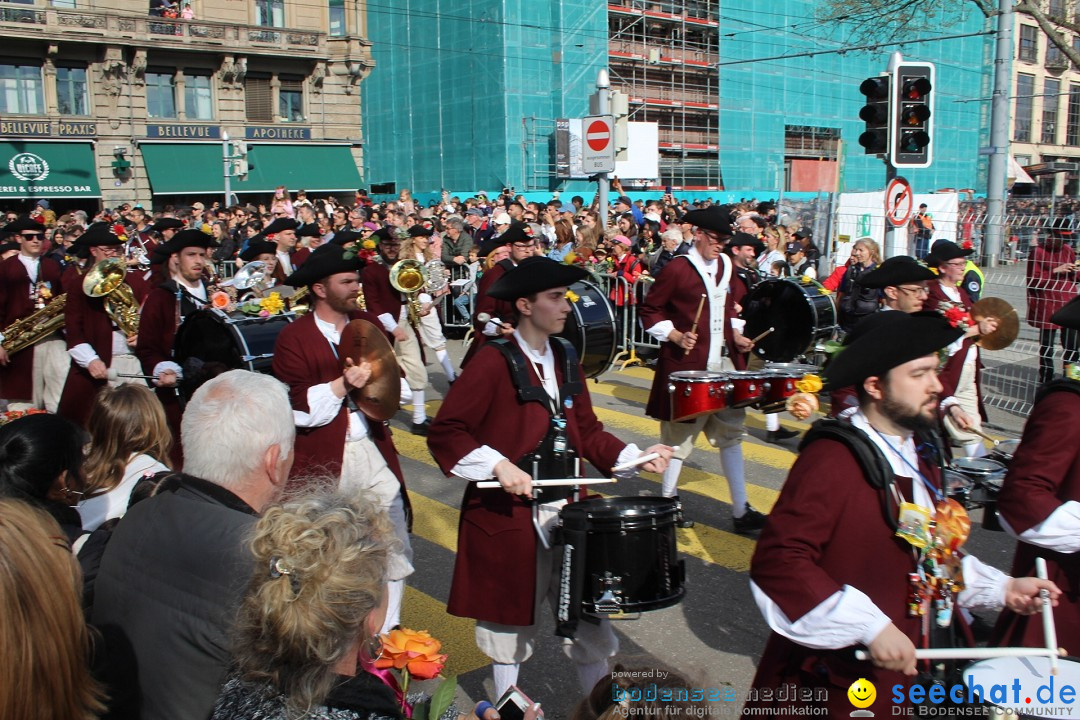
896	271
309	230
534	275
418	230
344	237
256	248
518	232
280	224
99	234
945	250
23	223
740	239
186	239
715	217
167	224
327	260
885	340
1069	315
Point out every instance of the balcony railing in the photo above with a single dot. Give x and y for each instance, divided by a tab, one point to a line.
30	21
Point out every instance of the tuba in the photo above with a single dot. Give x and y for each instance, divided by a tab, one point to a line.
35	327
106	280
410	277
438	276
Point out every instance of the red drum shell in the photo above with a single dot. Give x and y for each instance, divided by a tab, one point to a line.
696	392
781	379
747	387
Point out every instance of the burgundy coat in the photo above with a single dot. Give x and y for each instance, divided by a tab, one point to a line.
303	358
17	379
675	296
1048	292
950	374
1043	475
496	539
820	537
87	322
501	309
379	295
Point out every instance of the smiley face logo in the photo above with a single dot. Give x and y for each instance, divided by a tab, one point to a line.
862	693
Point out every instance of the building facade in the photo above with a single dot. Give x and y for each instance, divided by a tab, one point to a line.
1046	106
86	88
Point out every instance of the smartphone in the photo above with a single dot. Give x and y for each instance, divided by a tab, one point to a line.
513	704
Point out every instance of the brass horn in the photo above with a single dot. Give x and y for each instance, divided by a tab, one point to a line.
410	277
106	280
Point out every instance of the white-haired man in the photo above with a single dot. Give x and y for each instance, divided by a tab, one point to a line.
174	571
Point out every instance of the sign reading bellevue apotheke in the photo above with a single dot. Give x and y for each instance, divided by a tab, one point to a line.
183	132
277	132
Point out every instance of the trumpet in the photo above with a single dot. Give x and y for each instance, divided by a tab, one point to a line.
35	327
410	277
106	280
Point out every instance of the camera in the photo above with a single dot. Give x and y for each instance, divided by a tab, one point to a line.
513	704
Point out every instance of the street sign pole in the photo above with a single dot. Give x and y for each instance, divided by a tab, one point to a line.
603	91
227	169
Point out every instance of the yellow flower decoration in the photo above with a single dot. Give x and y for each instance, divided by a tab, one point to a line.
369	244
572	296
810	383
273	304
570	258
205	227
826	291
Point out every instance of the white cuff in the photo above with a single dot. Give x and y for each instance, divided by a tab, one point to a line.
847	617
83	354
424	298
1	337
166	365
492	327
738	325
630	452
388	322
947	403
984	586
323	407
479	464
1060	531
661	330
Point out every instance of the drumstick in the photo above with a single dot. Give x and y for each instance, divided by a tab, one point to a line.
983	435
639	461
762	335
1049	631
697	316
486	318
975	653
554	483
113	375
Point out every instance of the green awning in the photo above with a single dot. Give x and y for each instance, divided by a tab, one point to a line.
42	170
194	168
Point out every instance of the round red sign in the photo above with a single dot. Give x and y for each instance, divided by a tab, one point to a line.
598	135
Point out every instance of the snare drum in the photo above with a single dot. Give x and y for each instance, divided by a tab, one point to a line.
1033	673
1003	452
619	556
957	486
696	392
983	471
781	379
746	387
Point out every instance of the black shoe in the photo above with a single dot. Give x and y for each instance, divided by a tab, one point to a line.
775	436
421	428
751	521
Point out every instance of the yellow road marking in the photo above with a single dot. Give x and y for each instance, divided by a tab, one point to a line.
421	611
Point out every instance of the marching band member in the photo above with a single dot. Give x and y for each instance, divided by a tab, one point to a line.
393	312
165	308
501	572
161	232
668	314
1040	501
263	251
431	331
281	232
33	377
332	434
856	560
94	342
960	376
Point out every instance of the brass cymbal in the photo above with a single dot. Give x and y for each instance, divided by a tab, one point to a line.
1008	322
363	341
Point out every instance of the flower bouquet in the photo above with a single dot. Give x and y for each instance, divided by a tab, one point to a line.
415	654
9	415
264	307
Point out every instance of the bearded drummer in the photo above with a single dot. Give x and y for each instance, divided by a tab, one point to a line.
520	396
708	341
332	435
166	307
1040	500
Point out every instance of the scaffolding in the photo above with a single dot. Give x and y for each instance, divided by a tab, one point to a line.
663	55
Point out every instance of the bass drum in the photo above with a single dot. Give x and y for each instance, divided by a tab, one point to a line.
591	328
240	343
801	314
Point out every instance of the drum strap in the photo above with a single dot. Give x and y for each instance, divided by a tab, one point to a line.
519	371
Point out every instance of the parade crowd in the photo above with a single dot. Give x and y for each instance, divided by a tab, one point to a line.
203	512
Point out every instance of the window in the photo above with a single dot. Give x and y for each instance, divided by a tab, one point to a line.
257	98
21	89
71	97
270	13
291	100
1056	9
1076	46
160	95
198	101
1054	56
1029	43
337	18
1051	92
1072	134
1025	89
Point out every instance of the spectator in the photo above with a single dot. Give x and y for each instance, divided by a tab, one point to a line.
129	440
456	244
564	241
1051	283
172	575
856	302
44	634
670	240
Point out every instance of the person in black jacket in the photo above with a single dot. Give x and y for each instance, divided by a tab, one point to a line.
855	301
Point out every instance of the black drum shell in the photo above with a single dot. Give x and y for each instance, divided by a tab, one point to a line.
591	329
800	313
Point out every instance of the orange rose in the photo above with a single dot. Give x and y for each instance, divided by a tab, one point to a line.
220	300
414	651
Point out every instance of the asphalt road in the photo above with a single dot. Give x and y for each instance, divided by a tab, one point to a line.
714	636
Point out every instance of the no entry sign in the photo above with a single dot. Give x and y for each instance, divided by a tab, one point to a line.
598	150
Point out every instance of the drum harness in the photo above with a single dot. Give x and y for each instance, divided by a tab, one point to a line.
878	472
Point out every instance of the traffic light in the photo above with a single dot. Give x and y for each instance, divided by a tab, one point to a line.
913	103
620	110
240	165
876	114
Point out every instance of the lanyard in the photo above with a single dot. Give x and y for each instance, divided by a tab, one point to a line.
937	494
